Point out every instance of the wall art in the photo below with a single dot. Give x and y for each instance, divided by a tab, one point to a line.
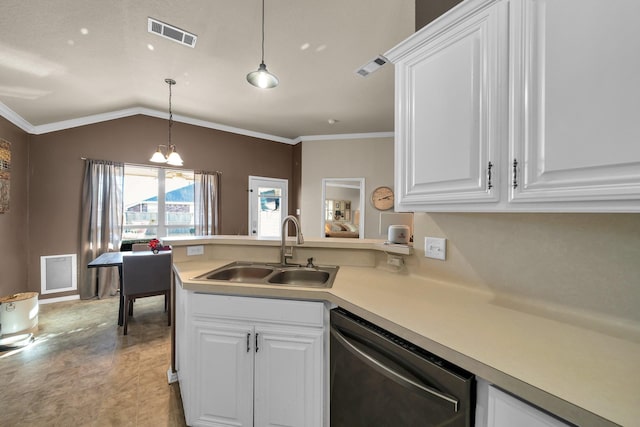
5	174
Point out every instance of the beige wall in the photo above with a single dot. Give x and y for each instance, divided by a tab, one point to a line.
13	224
586	263
56	172
371	159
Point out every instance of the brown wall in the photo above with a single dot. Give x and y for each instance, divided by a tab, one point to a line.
13	224
56	172
428	10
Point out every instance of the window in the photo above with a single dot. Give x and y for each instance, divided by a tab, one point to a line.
158	202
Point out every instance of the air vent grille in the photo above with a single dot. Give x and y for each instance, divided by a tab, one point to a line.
172	33
58	273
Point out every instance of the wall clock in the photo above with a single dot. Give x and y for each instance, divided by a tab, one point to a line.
382	198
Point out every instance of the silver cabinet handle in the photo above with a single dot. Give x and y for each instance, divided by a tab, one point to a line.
390	373
257	348
515	173
489	185
248	344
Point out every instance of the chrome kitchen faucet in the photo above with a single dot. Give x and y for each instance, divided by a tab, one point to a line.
300	239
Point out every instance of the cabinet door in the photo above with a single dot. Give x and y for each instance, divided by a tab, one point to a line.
222	391
575	80
506	411
451	108
288	376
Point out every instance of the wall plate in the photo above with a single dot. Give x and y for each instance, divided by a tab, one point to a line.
195	250
435	247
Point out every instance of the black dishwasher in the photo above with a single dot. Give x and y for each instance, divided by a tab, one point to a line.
379	379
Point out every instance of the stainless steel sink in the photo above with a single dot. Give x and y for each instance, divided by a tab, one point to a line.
300	277
240	273
273	274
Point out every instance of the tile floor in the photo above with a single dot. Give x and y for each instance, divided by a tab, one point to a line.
81	370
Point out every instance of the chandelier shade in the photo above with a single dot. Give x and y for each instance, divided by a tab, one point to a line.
166	153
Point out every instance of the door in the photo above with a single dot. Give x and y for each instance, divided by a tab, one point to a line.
222	392
288	376
268	206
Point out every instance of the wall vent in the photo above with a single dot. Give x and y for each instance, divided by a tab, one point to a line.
372	66
58	273
172	33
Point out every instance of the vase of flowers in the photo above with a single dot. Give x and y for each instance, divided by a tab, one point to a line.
155	245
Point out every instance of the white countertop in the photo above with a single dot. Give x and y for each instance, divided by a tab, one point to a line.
574	372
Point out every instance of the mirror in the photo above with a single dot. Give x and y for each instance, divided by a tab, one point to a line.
342	208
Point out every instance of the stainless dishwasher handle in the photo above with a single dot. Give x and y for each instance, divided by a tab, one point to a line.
396	376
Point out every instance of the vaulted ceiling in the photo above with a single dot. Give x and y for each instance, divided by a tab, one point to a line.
69	62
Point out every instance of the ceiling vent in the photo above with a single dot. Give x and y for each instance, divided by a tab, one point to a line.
372	66
172	33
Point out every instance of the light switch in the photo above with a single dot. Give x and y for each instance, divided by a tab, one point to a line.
435	247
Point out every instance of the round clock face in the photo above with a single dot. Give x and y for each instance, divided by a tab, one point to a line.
382	198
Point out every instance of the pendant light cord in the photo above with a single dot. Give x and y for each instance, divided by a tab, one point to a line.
170	114
262	32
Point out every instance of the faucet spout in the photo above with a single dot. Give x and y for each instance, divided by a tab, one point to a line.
285	229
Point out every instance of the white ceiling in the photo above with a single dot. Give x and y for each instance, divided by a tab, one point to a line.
53	76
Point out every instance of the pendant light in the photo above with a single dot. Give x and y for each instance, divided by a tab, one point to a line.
167	153
261	77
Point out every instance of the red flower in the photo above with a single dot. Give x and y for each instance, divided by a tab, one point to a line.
154	244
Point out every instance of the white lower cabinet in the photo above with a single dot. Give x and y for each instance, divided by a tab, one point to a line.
253	362
495	408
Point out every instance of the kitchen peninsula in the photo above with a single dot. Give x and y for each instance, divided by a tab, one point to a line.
575	372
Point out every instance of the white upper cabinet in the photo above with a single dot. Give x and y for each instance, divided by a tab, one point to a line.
450	88
575	81
520	105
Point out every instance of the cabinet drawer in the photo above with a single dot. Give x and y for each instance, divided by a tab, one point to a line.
279	311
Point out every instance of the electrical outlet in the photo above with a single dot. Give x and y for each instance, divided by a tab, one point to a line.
394	260
195	250
172	377
435	247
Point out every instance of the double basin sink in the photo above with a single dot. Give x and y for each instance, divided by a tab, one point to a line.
273	274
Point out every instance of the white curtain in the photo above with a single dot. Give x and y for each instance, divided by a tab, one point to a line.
207	203
101	225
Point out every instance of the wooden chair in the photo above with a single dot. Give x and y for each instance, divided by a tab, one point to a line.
145	276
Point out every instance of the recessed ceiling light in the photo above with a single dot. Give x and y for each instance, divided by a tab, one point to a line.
332	121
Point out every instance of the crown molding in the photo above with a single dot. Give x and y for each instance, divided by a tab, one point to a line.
334	137
17	120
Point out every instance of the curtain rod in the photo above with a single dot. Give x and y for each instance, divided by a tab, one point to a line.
150	166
